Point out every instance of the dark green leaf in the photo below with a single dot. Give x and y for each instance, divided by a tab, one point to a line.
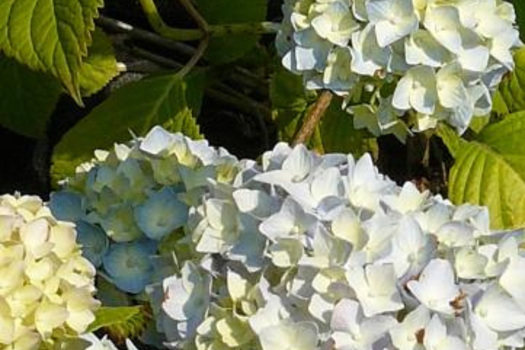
28	98
519	6
136	107
223	50
339	135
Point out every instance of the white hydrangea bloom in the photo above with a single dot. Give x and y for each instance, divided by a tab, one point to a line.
302	251
337	44
47	287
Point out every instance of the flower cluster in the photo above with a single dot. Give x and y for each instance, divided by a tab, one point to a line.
46	286
444	58
305	252
323	252
128	199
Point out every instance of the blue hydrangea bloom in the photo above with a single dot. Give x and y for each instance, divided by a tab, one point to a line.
161	213
66	206
94	241
129	264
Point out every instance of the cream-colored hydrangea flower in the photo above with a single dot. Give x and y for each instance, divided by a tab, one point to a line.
46	288
440	56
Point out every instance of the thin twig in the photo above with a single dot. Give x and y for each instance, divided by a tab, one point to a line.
219	30
204	42
201	49
158	24
241	77
313	117
192	11
219	92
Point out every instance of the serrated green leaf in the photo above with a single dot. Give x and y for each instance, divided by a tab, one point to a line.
223	50
110	316
28	98
136	107
478	123
450	138
49	35
490	171
100	65
511	93
185	122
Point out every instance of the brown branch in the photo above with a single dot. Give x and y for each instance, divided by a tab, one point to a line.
313	117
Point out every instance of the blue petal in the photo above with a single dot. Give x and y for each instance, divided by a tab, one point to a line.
129	264
66	206
161	213
94	242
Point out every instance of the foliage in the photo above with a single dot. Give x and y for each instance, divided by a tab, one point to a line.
20	85
100	65
134	108
335	133
120	322
224	50
313	248
489	171
51	36
198	249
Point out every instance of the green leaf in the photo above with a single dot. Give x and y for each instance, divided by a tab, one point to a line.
287	91
289	102
136	107
511	92
450	138
115	317
338	134
28	98
490	171
49	35
224	50
99	67
184	122
478	123
519	7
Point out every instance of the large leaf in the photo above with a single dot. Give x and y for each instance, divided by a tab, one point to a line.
335	133
136	107
223	50
510	96
99	67
28	98
49	35
490	171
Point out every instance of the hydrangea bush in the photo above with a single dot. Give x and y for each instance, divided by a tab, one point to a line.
127	200
307	252
46	286
439	60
